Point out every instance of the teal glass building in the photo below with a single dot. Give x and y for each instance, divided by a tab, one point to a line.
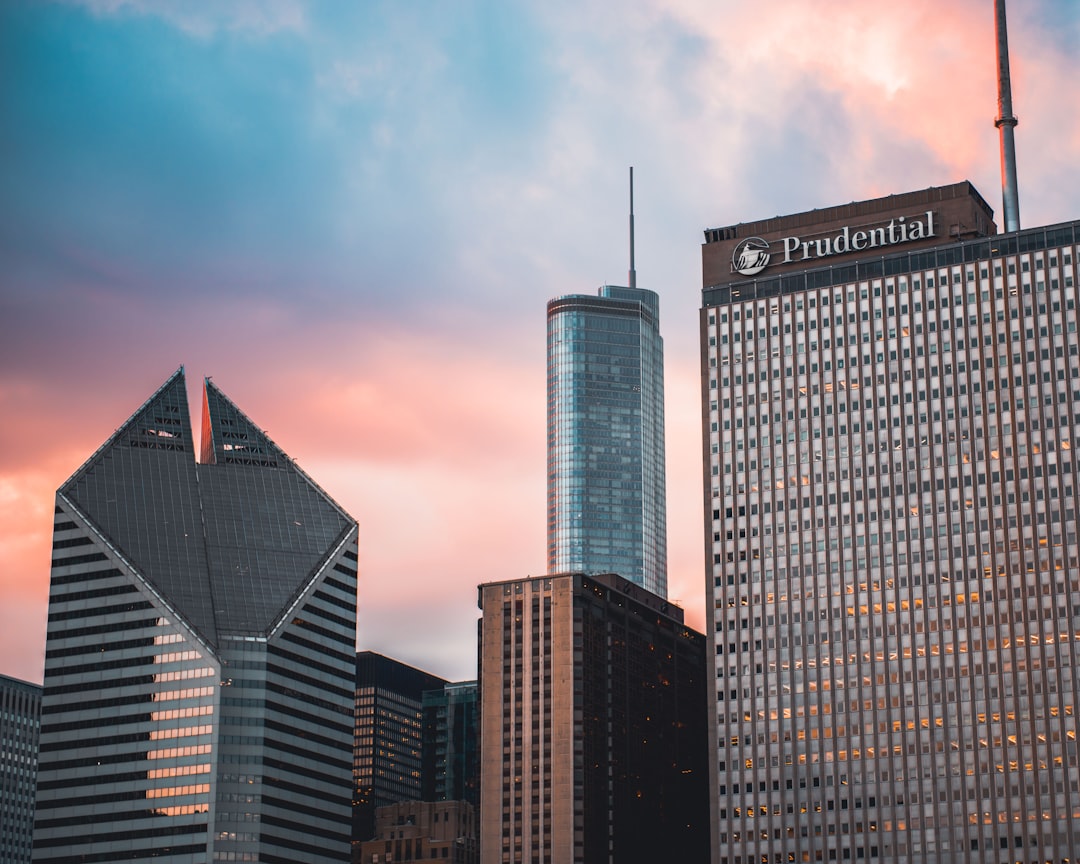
450	752
606	474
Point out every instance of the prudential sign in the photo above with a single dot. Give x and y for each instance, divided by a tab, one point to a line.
753	254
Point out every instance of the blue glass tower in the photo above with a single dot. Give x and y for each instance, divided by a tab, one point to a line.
606	479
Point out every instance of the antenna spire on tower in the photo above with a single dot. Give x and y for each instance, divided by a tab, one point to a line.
633	272
1006	122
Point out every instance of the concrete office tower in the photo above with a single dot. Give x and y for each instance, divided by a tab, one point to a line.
388	744
891	408
606	487
594	735
450	755
20	719
200	655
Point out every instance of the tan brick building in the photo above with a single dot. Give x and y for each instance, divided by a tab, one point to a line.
421	831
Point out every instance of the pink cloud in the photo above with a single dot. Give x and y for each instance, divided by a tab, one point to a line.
431	430
436	452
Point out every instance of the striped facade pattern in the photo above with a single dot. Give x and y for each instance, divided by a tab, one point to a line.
891	497
199	663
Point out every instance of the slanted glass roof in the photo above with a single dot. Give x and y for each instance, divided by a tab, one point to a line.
229	542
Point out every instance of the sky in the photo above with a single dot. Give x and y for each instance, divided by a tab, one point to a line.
352	216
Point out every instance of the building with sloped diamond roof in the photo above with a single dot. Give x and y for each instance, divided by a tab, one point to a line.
199	665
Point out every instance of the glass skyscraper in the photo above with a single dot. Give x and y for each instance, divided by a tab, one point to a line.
389	738
200	654
450	755
891	499
606	472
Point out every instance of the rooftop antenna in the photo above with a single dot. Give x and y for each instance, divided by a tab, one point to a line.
1006	121
633	272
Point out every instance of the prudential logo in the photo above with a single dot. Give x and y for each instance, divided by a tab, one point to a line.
750	257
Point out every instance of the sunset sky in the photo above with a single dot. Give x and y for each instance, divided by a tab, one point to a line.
352	216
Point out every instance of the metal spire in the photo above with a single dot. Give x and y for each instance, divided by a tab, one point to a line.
633	272
1006	122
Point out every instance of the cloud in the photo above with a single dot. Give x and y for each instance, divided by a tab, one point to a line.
436	452
22	632
205	18
353	215
427	539
26	505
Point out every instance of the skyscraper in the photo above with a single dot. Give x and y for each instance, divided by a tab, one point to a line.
199	664
20	719
450	755
892	401
606	487
388	744
594	731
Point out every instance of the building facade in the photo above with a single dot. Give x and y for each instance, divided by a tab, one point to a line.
890	400
593	729
200	650
450	758
20	721
422	831
388	741
607	510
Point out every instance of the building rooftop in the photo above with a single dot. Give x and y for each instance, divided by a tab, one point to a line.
847	232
